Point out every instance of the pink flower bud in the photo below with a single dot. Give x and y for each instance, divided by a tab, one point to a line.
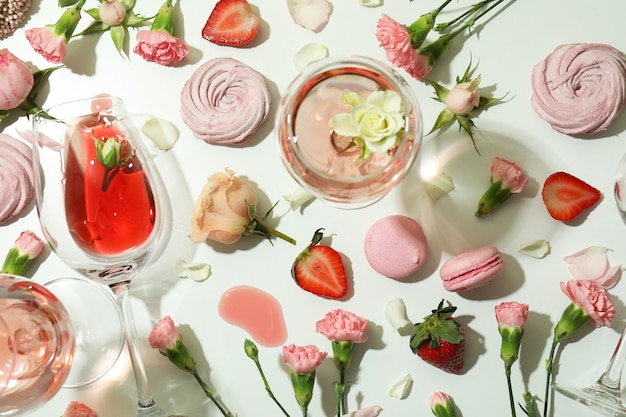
112	12
16	80
464	97
511	314
29	244
164	335
78	409
303	359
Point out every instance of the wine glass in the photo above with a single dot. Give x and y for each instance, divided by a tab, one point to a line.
605	394
36	345
100	203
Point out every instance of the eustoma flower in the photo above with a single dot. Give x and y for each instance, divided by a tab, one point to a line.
302	361
589	303
506	178
374	124
511	317
26	249
343	329
166	338
226	211
159	43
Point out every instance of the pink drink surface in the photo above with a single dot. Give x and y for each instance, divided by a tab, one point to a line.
107	214
36	352
255	311
314	136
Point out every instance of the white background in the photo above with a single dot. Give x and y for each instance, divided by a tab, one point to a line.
505	50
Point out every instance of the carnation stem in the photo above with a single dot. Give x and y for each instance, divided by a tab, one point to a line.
443	26
255	358
549	363
209	394
507	371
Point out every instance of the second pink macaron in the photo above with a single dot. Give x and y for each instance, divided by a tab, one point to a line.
471	269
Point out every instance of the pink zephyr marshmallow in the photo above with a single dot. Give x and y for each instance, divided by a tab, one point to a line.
471	269
395	246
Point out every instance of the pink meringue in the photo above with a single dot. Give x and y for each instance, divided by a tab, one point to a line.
580	88
225	101
16	178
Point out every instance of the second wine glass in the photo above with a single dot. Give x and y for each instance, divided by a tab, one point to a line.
99	201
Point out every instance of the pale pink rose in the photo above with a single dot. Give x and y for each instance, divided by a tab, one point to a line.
371	411
340	325
395	39
592	264
511	314
440	398
78	409
43	40
464	97
303	359
29	244
160	47
221	212
16	80
112	12
164	335
511	175
593	299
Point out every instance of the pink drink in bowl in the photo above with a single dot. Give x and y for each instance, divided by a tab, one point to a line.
321	160
36	345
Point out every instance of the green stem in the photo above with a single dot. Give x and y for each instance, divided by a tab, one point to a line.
268	231
209	394
268	389
507	371
443	26
549	363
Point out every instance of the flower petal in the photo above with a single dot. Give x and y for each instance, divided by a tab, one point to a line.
299	198
438	185
402	388
310	14
535	248
194	271
163	133
592	264
395	311
370	3
308	54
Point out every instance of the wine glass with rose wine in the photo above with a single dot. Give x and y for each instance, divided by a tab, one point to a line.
36	345
99	203
604	395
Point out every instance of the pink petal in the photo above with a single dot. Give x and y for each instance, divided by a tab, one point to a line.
310	14
592	264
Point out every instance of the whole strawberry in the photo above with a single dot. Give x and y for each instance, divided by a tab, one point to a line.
440	340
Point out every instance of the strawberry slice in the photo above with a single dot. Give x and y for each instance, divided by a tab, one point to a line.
319	269
231	23
567	196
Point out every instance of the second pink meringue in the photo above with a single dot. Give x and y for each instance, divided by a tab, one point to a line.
16	178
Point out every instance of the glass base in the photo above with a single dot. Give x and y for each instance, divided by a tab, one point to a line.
595	396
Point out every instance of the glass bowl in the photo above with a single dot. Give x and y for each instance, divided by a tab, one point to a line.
323	162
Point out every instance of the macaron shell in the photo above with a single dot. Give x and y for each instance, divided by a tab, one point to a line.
471	269
395	246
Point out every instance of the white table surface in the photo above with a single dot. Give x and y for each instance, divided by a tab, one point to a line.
506	50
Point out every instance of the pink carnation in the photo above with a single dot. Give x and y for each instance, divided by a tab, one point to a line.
164	335
509	174
160	47
396	41
78	409
303	359
593	299
340	325
43	40
511	314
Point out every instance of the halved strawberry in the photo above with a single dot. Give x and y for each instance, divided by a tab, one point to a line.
319	269
232	23
567	196
440	340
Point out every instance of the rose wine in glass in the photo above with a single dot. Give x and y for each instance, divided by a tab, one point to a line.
36	345
100	203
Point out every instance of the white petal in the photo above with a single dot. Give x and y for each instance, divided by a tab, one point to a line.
299	198
535	248
371	3
438	185
395	311
310	14
371	411
402	388
308	54
163	133
194	271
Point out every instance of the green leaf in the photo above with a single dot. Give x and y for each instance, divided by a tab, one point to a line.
94	13
440	91
444	119
3	114
117	35
467	125
42	75
95	27
134	20
66	3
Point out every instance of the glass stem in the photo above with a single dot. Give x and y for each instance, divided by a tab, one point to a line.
612	375
132	341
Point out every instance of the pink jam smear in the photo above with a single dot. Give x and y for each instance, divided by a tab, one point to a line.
256	312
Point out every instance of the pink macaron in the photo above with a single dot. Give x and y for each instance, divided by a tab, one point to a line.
471	269
395	246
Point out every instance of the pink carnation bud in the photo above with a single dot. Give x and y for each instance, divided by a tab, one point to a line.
164	335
